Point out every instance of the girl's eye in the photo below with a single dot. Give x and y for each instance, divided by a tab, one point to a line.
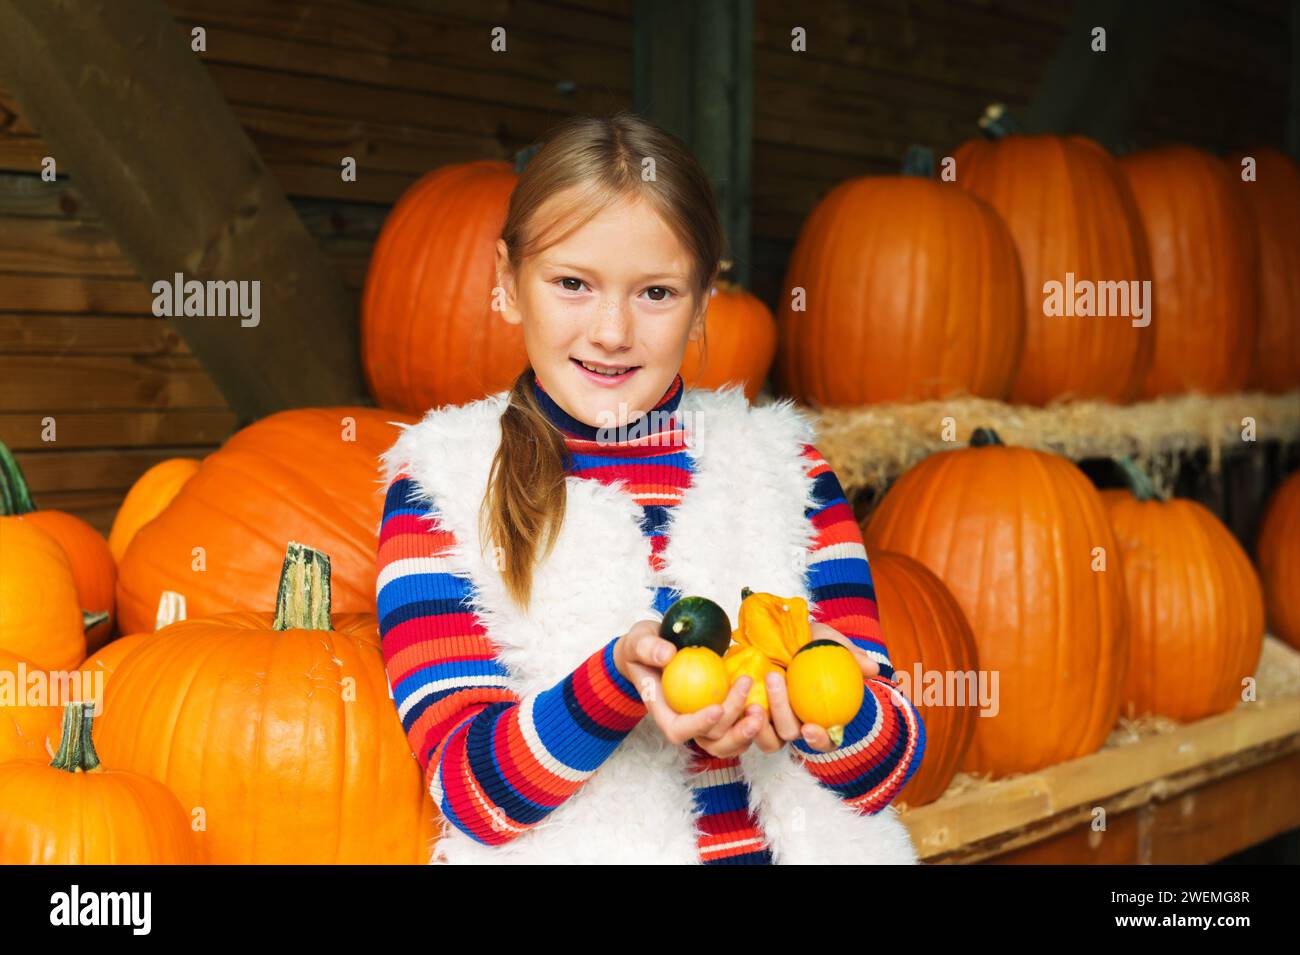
667	292
570	278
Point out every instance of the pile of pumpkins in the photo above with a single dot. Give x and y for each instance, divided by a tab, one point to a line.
917	287
246	717
1086	604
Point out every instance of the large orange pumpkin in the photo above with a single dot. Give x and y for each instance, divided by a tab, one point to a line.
1195	607
1278	550
309	473
151	492
1204	260
1070	212
40	616
93	567
910	291
924	627
1273	198
741	337
73	811
1015	534
26	723
280	726
428	333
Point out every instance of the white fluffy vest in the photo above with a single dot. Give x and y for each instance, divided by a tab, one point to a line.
741	523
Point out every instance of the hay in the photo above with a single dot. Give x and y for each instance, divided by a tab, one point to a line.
868	446
1277	680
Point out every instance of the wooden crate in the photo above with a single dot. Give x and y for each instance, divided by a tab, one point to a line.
1193	795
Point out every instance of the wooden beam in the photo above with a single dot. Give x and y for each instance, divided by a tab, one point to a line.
130	111
693	75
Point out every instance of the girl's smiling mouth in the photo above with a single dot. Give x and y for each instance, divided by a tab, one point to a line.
600	377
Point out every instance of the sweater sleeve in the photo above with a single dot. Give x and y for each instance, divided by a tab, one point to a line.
884	744
495	763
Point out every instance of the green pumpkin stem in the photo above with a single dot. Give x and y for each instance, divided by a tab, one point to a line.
91	620
16	498
524	155
919	161
982	437
76	748
1137	480
744	592
303	599
997	123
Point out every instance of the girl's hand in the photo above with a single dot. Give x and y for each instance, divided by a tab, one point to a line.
784	725
641	654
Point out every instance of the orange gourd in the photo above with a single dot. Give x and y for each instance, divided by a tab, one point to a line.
280	726
1204	259
428	293
27	721
93	569
911	291
741	335
1020	537
148	496
310	473
1273	198
73	811
40	617
1069	210
778	626
1196	610
1278	551
923	626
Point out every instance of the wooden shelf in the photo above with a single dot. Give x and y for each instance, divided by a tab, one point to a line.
1193	795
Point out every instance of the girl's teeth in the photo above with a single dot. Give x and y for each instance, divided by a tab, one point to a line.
608	374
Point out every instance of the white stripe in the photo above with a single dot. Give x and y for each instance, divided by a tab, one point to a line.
840	551
413	565
437	686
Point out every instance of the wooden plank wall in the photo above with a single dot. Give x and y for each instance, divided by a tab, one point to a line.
405	86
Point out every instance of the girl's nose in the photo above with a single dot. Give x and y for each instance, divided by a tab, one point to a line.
613	325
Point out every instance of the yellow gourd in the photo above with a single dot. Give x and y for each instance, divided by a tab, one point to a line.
826	686
694	678
740	661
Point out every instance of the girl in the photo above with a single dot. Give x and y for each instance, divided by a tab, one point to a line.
531	541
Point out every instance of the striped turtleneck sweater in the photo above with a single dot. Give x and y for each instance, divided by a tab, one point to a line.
497	764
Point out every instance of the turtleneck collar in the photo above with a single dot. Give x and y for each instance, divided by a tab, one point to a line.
663	420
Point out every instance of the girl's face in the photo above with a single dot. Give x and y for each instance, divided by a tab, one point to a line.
617	295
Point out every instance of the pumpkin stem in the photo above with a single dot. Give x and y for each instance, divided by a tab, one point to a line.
76	749
91	620
1137	480
16	498
524	155
744	592
997	123
303	599
981	437
171	608
919	161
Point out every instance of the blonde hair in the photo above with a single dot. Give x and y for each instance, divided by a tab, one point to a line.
600	158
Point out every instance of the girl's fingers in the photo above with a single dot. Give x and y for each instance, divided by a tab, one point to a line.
653	650
785	724
817	738
732	708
